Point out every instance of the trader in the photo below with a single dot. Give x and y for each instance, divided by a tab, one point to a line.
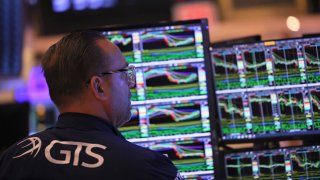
89	81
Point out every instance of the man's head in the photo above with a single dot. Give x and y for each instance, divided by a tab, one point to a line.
74	70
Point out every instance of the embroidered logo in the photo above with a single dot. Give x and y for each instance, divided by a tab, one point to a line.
32	148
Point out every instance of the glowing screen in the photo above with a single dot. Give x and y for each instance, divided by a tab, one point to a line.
170	112
268	89
285	163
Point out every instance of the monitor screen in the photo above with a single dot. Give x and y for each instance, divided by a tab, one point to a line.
284	163
268	89
170	108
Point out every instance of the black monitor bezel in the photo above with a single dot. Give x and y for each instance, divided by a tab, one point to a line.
232	42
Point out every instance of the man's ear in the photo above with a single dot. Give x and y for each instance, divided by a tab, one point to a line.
96	88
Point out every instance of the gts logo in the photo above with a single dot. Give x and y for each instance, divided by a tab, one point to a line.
34	144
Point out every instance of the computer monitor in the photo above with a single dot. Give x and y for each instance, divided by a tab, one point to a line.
171	109
283	163
268	90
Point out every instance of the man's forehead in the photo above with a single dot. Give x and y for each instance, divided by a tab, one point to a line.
113	56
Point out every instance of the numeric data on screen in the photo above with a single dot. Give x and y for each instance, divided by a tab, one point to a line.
284	163
268	89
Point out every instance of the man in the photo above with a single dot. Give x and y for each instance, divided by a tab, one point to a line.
89	81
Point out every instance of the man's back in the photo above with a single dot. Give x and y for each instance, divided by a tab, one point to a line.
82	146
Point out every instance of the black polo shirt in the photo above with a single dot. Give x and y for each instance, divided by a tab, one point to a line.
81	146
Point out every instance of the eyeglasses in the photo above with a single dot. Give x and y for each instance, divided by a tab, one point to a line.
130	72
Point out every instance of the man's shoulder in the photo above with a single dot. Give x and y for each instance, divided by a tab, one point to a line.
146	163
137	149
150	156
31	139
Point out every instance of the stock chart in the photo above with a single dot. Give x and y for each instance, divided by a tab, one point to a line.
172	44
285	163
173	82
312	62
267	89
226	70
256	74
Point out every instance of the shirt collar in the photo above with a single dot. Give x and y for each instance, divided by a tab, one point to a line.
85	122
